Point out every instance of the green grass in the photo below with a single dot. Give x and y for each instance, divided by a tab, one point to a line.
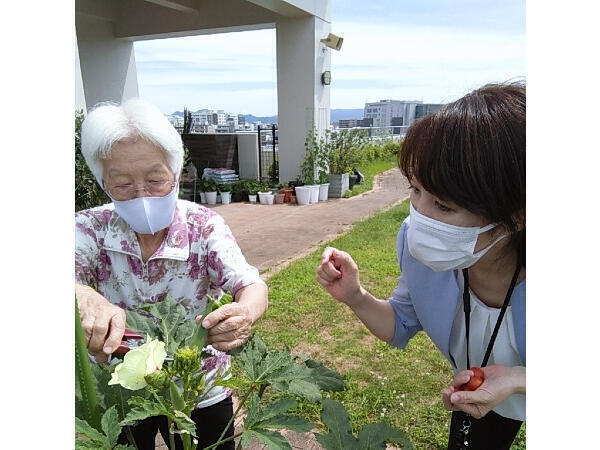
369	170
401	387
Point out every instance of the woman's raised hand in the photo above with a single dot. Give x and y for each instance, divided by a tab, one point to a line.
103	323
338	274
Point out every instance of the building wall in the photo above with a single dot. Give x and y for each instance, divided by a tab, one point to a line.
107	64
303	102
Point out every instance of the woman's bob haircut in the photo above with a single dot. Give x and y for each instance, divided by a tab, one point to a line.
108	123
472	152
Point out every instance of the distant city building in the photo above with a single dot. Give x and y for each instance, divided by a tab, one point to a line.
426	108
222	128
219	117
176	121
348	123
365	122
387	113
383	111
202	117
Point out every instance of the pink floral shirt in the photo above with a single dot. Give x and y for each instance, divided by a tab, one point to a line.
199	256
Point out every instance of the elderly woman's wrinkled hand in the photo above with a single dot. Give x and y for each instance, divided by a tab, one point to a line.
228	327
499	384
103	323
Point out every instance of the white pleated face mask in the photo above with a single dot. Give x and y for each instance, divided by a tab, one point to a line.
147	215
441	246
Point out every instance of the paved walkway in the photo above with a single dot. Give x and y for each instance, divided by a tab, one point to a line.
272	236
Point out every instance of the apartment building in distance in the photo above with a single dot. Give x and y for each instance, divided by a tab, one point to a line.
387	113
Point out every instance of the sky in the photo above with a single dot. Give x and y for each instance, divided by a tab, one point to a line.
429	50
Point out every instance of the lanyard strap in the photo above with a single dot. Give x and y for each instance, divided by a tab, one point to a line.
467	308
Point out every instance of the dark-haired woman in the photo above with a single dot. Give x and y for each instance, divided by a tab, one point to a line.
462	256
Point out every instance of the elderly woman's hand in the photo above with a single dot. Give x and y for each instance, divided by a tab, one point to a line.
500	383
103	323
228	327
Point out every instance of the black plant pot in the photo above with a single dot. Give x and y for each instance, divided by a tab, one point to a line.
238	197
352	181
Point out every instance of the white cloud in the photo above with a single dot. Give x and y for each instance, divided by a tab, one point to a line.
237	71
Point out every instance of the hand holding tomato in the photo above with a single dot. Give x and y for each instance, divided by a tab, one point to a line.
475	381
498	383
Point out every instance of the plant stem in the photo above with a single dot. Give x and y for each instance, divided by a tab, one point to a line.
130	437
216	444
171	435
232	418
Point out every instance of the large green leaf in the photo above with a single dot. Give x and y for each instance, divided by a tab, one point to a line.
110	425
272	439
141	324
326	379
142	408
339	432
170	316
374	436
82	427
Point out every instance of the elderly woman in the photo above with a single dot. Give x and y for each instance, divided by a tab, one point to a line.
147	244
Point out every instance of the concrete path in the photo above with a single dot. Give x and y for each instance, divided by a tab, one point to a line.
272	236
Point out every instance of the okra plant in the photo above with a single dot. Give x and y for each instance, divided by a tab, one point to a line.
164	377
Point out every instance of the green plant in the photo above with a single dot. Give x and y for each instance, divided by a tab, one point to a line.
273	170
88	192
226	187
210	185
257	369
239	187
253	187
310	164
346	150
187	121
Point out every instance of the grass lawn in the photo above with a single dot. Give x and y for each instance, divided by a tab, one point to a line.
369	170
384	383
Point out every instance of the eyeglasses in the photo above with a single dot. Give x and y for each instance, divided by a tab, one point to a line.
124	192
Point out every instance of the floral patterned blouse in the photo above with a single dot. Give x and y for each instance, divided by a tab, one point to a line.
199	256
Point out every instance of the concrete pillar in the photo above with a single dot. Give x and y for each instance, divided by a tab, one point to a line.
303	102
248	155
107	64
79	92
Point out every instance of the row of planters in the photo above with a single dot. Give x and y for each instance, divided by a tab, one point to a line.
329	170
335	157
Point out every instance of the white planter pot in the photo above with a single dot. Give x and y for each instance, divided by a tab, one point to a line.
226	198
323	192
314	193
202	197
303	195
252	198
263	197
211	197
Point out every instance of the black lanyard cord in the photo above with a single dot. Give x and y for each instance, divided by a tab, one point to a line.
467	308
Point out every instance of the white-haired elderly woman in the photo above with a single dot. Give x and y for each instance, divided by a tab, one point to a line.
147	244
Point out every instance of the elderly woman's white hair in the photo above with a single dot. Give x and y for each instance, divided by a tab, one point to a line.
108	123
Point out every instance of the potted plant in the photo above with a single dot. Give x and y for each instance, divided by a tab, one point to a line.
210	190
225	191
252	187
323	186
238	190
265	195
310	164
344	155
200	186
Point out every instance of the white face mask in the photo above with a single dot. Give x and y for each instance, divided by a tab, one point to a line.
444	247
147	215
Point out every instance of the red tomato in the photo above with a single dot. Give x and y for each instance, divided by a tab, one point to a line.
475	381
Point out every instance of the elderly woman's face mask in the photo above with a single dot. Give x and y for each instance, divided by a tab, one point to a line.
141	185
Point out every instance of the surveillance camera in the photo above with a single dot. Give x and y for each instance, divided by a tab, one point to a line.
333	41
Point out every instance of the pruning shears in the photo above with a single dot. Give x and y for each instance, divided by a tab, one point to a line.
128	341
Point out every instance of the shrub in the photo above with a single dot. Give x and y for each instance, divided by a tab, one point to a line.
88	192
346	150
